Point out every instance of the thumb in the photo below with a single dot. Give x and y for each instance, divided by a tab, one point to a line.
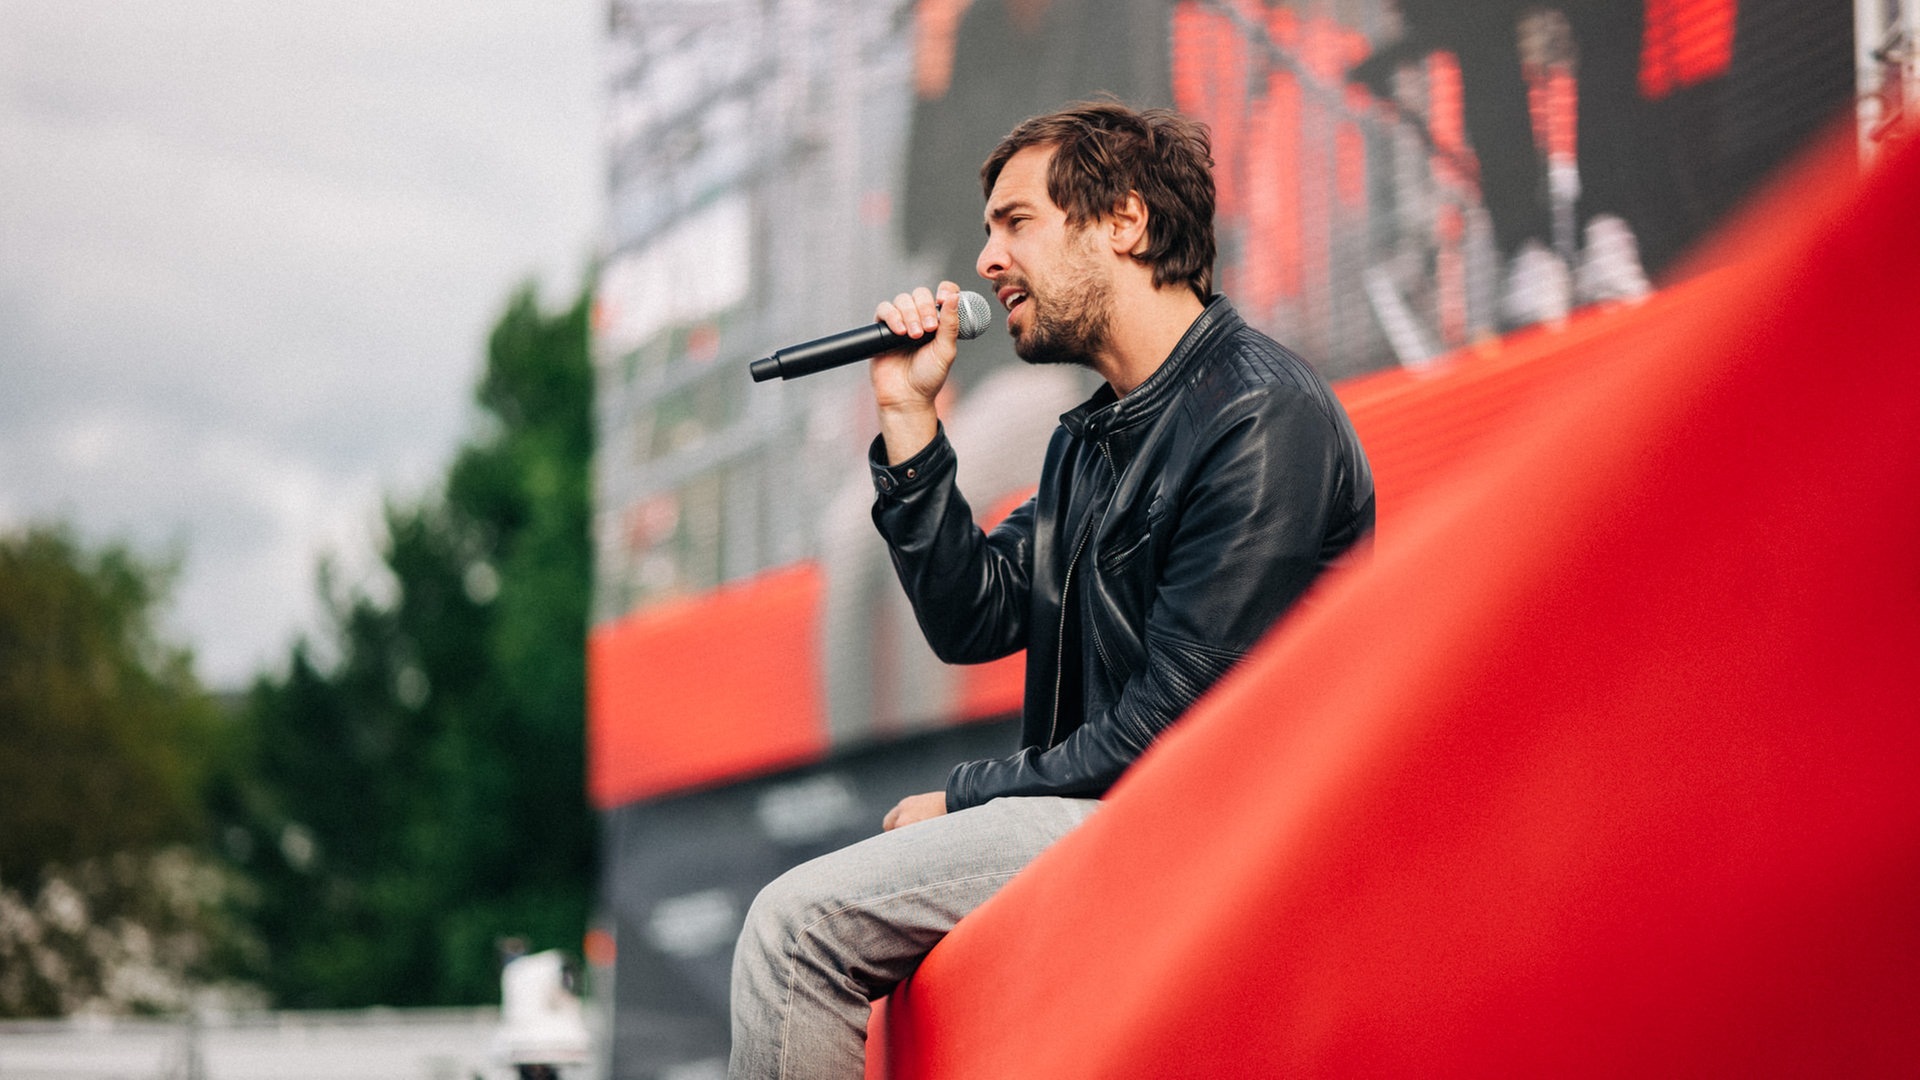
948	297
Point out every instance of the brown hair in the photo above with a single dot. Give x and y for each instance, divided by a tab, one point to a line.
1103	150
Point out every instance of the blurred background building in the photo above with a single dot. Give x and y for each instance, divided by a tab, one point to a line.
1398	180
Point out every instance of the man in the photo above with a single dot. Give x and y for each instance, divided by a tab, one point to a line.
1181	509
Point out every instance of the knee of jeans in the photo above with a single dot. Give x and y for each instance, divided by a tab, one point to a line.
777	914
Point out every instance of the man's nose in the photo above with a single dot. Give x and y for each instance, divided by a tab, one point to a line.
992	261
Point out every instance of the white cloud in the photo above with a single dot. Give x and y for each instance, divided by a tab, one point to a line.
248	258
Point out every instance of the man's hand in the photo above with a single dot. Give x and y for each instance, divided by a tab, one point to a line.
915	808
906	381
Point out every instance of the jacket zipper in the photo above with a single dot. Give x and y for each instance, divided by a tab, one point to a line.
1066	593
1093	626
1060	639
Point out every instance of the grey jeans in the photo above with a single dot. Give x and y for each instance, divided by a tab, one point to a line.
829	936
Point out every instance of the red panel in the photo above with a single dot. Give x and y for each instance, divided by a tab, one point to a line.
1350	153
1419	426
1273	181
936	25
694	691
997	688
1210	83
993	689
1687	41
1602	766
1553	103
1446	115
1350	165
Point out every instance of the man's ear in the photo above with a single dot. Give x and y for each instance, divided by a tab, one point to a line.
1127	225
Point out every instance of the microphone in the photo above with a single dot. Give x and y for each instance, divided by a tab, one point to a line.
872	339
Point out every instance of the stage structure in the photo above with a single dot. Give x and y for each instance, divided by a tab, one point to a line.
1398	180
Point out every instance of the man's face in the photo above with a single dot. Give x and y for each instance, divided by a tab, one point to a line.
1045	272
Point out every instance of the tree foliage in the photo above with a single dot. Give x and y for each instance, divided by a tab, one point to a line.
108	897
419	793
102	719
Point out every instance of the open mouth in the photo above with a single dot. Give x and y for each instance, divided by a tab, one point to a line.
1012	298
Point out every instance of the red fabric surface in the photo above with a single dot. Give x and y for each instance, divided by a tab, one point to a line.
1605	764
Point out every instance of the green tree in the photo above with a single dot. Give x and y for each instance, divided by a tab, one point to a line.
420	794
107	745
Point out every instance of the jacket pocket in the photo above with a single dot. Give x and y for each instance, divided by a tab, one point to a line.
1115	557
1119	552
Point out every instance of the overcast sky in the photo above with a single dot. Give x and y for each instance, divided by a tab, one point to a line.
249	254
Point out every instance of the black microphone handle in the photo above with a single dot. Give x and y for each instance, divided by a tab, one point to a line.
834	350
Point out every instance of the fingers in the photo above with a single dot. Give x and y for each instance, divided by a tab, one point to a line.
910	314
920	312
914	809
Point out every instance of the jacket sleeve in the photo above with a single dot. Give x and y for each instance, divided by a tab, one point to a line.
969	589
1247	544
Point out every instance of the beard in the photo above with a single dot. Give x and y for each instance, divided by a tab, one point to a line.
1069	322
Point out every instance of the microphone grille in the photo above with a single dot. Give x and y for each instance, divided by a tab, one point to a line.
975	315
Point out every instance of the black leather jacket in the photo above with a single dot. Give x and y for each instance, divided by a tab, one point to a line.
1170	529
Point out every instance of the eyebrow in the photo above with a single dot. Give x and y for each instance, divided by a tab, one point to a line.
1003	211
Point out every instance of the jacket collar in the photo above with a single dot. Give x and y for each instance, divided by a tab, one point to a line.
1105	413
